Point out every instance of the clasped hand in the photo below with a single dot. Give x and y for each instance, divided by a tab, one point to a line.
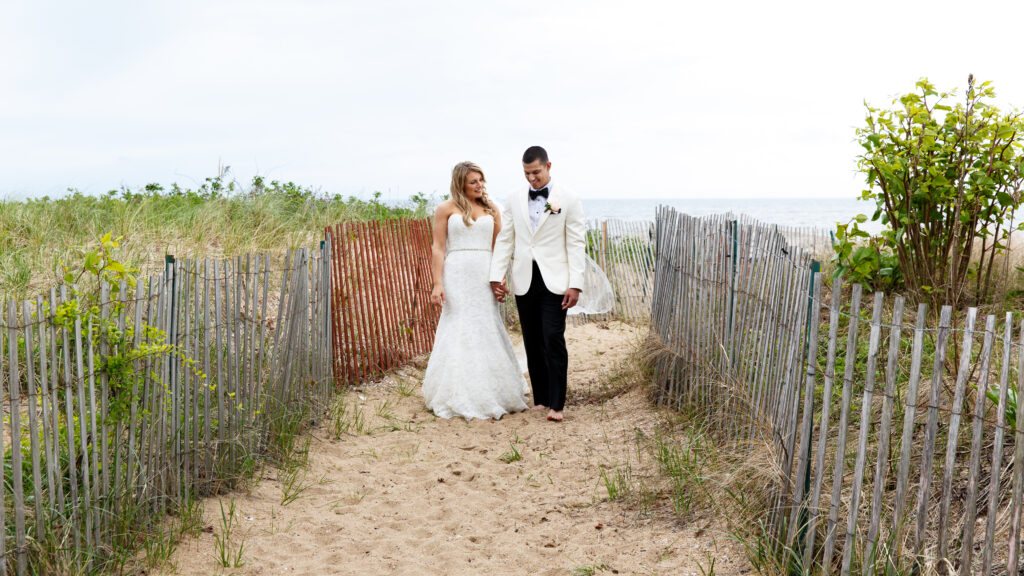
572	295
500	290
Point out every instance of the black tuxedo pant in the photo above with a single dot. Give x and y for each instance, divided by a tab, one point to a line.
543	322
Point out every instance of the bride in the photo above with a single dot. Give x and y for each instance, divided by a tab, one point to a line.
473	371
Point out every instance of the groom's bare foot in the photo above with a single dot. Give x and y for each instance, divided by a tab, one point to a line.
539	407
555	415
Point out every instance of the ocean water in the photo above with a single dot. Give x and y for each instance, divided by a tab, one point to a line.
821	213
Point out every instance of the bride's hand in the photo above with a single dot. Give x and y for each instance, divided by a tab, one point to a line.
437	296
500	291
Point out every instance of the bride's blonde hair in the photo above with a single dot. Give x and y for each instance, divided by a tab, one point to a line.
460	174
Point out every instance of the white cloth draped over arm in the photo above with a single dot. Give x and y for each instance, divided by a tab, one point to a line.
597	296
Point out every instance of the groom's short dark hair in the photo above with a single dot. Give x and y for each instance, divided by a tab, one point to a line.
535	153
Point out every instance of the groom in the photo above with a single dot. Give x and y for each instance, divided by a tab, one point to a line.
543	233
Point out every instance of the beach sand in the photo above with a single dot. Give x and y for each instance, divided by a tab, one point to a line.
414	494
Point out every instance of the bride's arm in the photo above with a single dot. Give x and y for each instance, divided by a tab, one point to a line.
497	226
437	250
502	246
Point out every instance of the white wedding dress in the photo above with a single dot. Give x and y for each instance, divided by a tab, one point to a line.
473	371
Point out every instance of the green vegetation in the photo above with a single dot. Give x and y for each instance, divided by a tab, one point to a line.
47	242
683	460
49	531
346	419
512	455
217	219
946	182
589	570
616	482
946	179
228	547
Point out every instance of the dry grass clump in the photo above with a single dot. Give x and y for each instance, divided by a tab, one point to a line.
697	428
688	467
626	375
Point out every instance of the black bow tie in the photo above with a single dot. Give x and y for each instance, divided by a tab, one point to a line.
542	192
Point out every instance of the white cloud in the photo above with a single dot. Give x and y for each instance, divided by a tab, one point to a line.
649	98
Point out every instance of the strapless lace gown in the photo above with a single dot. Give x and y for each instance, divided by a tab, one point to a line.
473	371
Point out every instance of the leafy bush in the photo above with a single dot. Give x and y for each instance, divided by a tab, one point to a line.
946	181
863	259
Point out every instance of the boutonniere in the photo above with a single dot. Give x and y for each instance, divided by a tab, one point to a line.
553	207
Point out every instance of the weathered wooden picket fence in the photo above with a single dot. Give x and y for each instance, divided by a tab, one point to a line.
170	392
856	402
625	252
815	241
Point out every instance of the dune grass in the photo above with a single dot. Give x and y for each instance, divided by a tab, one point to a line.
217	219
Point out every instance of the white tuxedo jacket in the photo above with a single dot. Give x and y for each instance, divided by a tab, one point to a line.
557	245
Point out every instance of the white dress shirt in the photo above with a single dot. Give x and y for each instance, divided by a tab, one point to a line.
536	207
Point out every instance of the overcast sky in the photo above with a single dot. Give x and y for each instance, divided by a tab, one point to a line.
653	99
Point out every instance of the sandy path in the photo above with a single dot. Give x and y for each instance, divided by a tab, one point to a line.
420	495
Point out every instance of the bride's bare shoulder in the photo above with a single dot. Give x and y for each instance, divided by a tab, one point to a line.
445	209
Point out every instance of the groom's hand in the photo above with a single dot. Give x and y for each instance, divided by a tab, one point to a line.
572	296
499	290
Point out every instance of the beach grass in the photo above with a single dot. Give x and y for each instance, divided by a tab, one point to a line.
218	219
